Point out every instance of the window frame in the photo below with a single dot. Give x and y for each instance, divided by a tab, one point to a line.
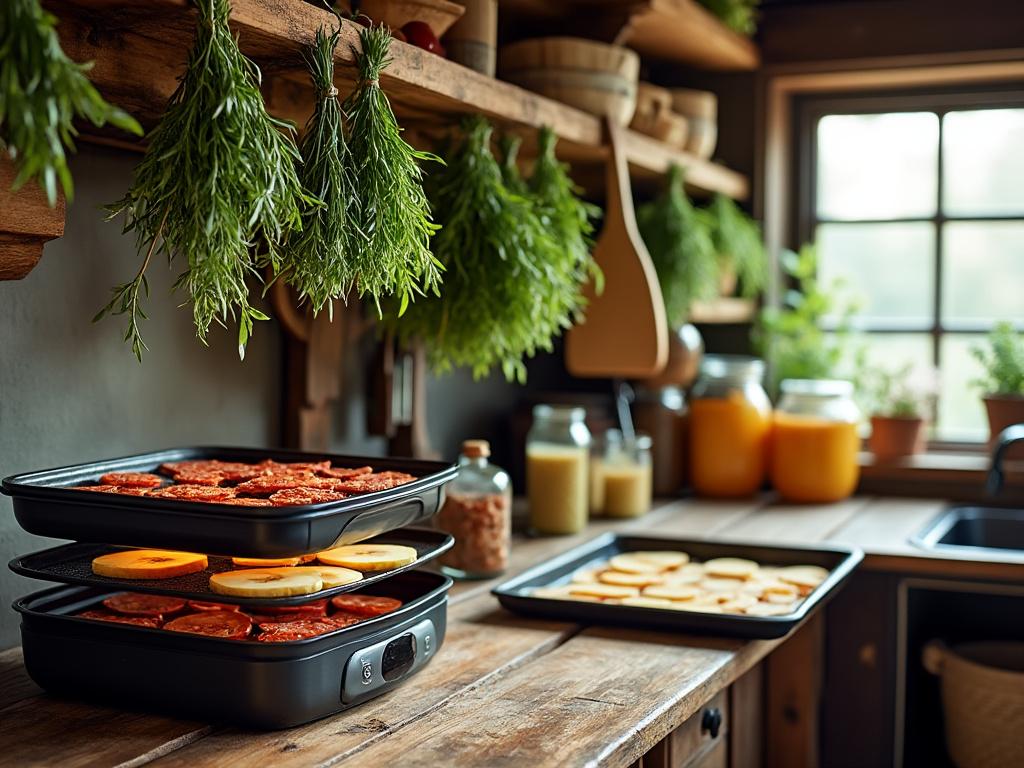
807	111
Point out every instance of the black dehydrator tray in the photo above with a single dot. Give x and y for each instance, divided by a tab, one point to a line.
253	684
514	594
72	564
45	505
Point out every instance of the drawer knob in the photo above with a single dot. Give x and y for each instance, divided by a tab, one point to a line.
711	722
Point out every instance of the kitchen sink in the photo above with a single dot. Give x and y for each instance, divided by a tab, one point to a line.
995	532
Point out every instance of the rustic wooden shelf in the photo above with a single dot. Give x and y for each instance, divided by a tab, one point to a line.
673	30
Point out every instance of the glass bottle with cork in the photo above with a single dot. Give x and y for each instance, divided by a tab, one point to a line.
477	512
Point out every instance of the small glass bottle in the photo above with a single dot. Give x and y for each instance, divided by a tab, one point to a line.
815	441
557	459
477	512
626	476
730	421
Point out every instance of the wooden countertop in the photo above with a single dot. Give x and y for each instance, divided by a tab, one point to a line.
504	689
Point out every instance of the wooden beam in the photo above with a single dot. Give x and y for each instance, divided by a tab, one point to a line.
27	223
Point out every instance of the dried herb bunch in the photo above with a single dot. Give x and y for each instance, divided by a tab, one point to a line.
737	240
218	179
502	298
508	147
681	248
41	92
394	213
319	259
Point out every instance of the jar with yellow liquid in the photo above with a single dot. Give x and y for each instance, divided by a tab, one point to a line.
815	441
730	421
622	477
557	469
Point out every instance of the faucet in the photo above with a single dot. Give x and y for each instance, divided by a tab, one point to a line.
1009	436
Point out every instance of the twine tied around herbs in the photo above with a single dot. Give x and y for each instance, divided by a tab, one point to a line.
327	93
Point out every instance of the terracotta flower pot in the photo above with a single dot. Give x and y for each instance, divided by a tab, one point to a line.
896	437
1004	411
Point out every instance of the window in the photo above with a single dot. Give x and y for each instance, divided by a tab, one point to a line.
916	203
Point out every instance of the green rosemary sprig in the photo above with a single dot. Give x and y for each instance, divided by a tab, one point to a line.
41	93
218	177
508	147
680	247
502	300
319	259
394	213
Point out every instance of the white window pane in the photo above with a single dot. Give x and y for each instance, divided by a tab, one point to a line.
983	271
878	166
888	268
961	413
983	162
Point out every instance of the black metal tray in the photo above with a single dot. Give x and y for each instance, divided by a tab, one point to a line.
514	593
253	684
44	505
72	564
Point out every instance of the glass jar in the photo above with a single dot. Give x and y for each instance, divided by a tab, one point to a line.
730	420
662	414
477	512
626	475
600	447
557	458
815	441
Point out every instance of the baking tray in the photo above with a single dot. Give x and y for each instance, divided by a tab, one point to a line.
257	685
44	505
72	564
514	593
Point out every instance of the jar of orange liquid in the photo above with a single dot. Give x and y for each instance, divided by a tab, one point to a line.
815	441
730	419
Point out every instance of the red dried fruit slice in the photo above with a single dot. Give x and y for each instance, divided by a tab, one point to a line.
341	473
192	493
132	479
260	619
379	481
174	467
95	488
139	621
232	625
124	490
284	632
317	607
264	485
135	604
295	467
243	501
365	605
293	497
211	477
203	605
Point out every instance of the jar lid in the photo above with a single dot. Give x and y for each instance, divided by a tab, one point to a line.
559	412
817	387
732	367
476	449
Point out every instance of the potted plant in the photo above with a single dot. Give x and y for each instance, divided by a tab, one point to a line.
899	403
1003	383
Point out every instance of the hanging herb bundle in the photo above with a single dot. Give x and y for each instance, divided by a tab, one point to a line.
501	300
737	240
319	259
41	93
571	219
680	246
218	177
394	213
509	148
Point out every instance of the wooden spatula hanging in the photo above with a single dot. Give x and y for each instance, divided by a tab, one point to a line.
625	334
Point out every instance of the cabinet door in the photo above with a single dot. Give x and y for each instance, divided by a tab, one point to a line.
700	742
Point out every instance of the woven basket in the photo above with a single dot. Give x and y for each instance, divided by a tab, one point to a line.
983	700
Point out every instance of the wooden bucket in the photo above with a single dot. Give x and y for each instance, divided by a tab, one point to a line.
439	15
473	40
700	108
596	77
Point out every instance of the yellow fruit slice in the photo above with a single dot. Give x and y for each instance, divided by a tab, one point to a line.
556	593
259	562
629	579
663	559
675	605
266	582
673	592
738	604
586	576
148	564
369	557
716	584
630	563
769	609
803	575
731	567
603	590
647	602
332	575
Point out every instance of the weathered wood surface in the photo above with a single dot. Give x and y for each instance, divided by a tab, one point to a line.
509	689
27	222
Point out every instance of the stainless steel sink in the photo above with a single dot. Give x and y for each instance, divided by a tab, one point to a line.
978	532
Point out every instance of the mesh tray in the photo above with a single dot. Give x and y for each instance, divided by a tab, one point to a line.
45	505
515	593
72	564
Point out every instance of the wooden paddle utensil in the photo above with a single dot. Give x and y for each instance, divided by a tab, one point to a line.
625	333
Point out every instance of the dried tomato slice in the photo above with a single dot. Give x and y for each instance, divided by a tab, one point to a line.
135	604
126	490
284	632
295	467
341	473
264	485
139	621
132	479
379	481
232	625
211	477
94	488
192	493
317	607
203	605
293	497
365	605
244	501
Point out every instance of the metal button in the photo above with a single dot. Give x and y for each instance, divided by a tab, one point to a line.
367	671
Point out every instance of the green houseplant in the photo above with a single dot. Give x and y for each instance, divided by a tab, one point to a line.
739	247
900	404
1003	383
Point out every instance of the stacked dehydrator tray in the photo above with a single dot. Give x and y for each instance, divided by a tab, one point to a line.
256	684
